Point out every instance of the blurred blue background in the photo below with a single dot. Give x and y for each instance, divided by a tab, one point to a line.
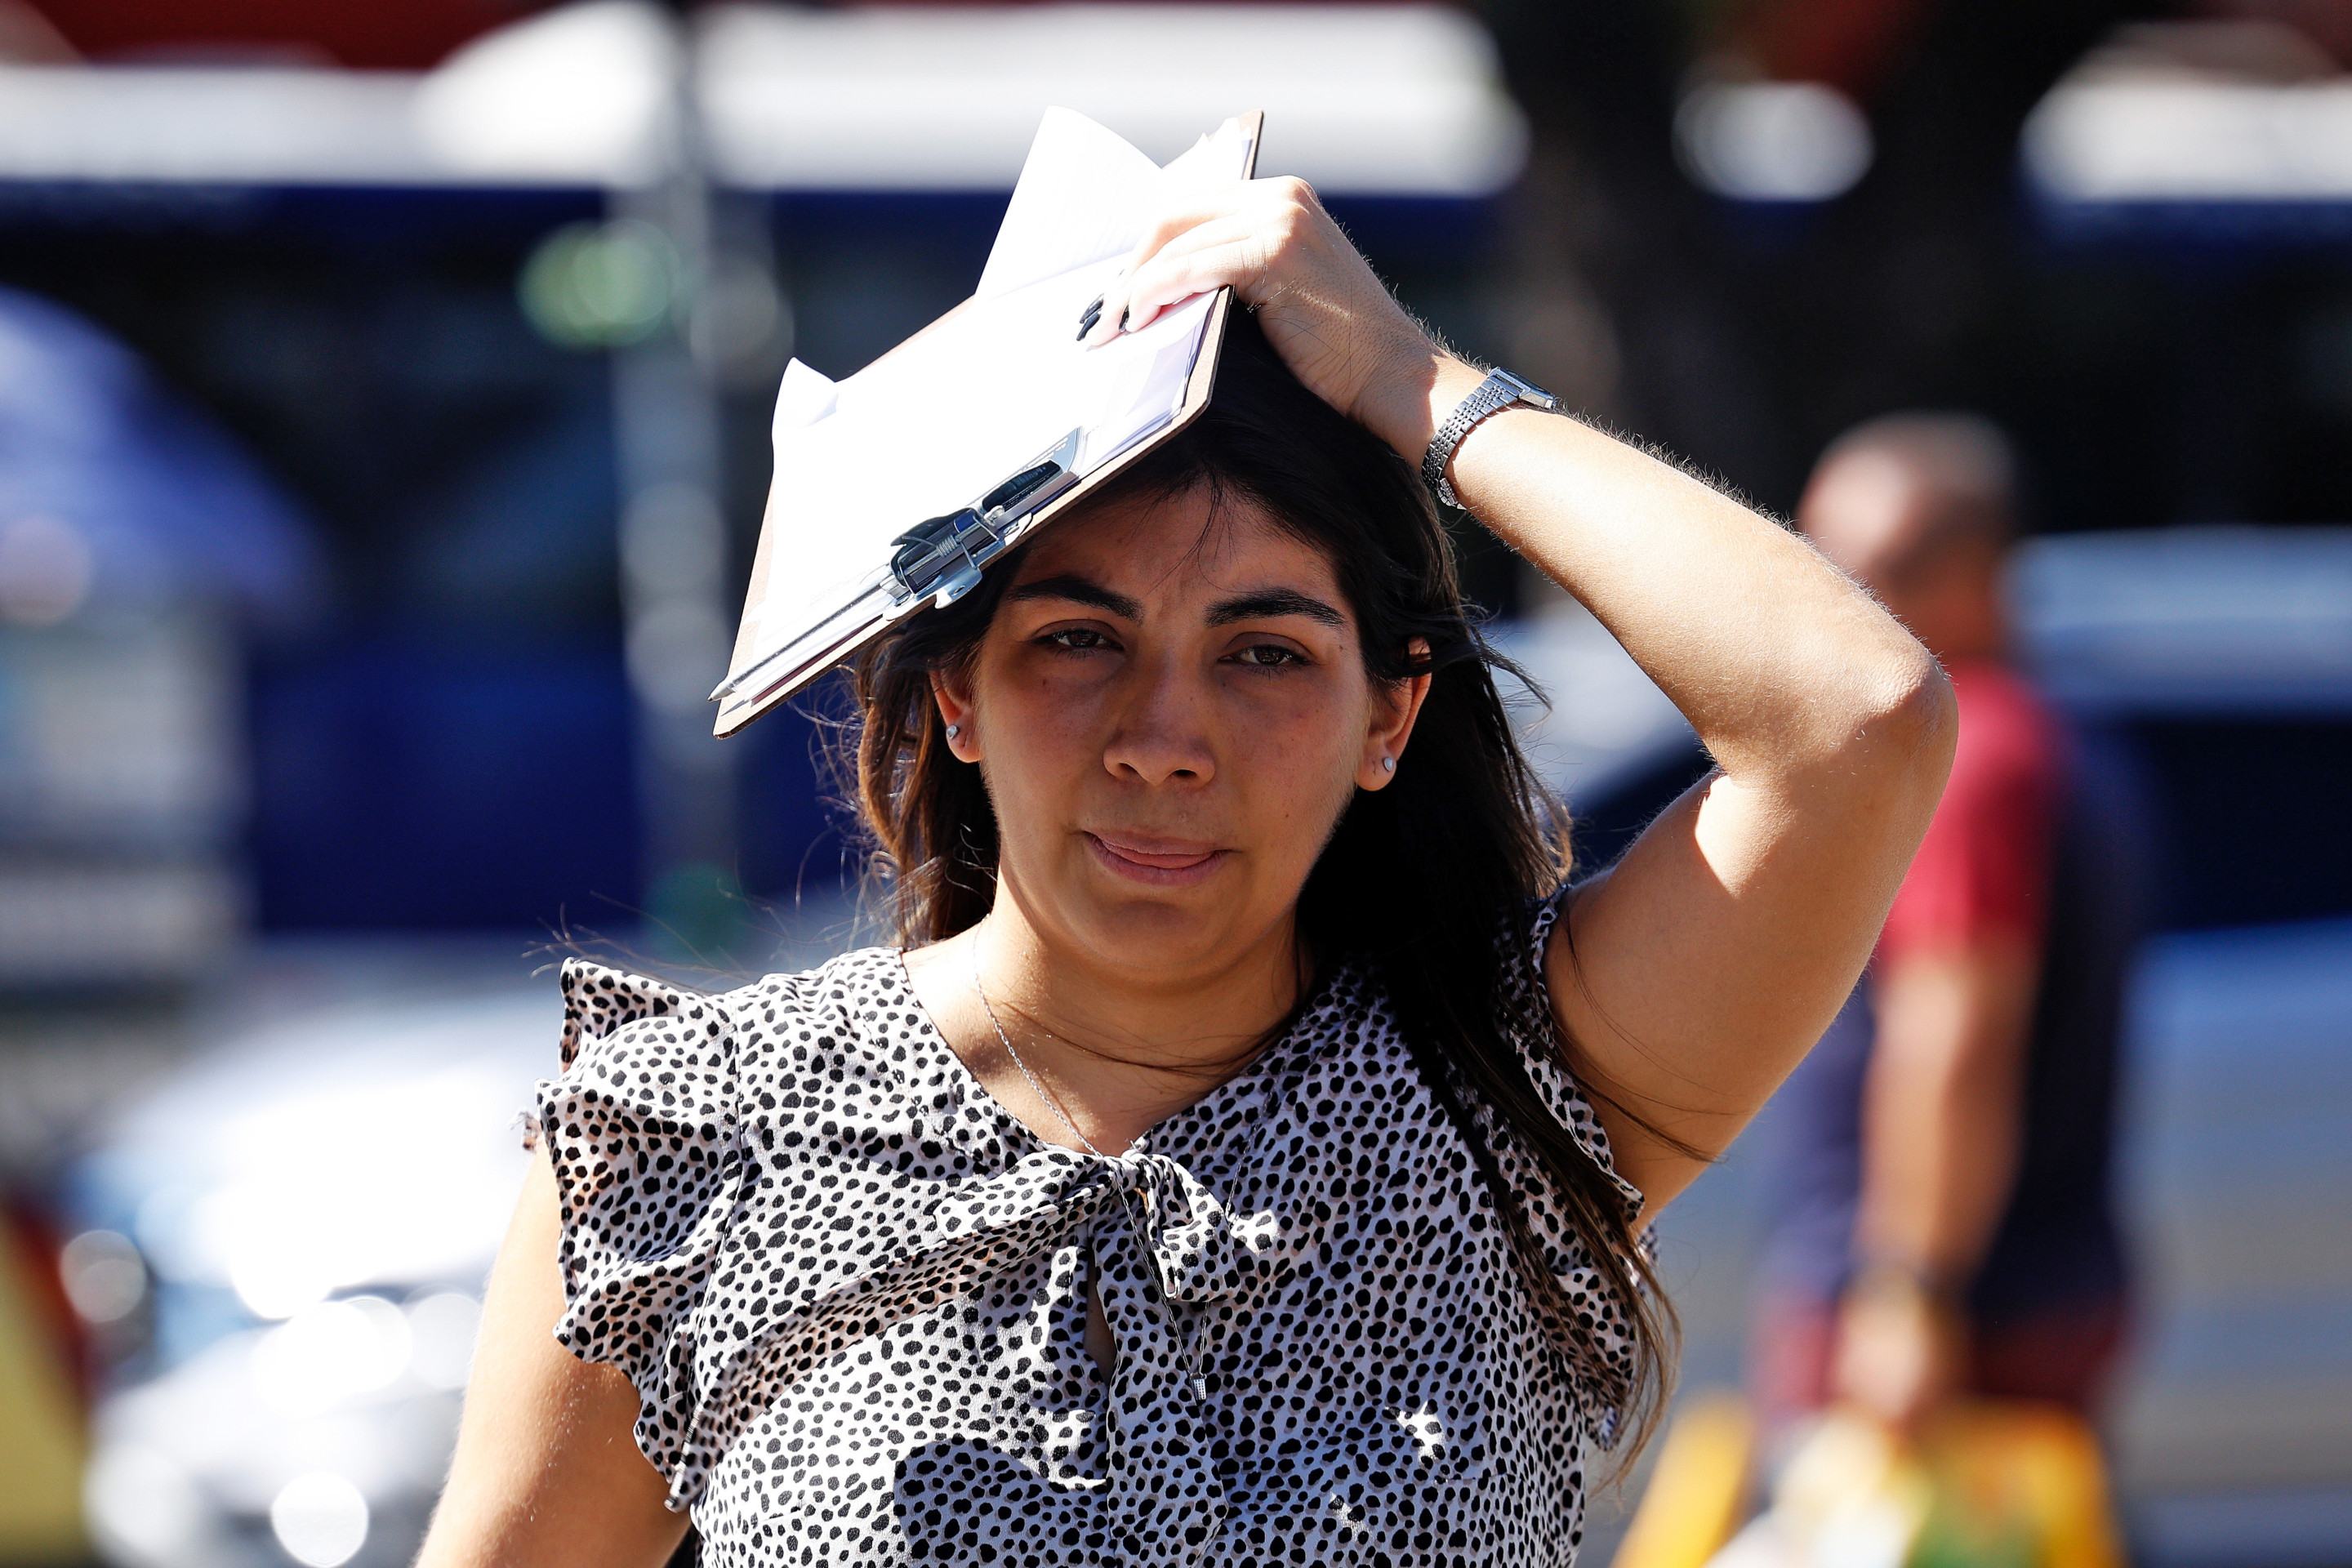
384	398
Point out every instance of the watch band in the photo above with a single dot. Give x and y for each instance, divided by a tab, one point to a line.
1882	1275
1499	390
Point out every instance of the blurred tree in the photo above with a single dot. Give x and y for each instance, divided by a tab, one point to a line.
1747	358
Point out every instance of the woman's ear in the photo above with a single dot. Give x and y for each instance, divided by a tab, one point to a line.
955	708
1395	706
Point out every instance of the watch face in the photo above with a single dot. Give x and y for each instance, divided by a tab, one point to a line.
1529	390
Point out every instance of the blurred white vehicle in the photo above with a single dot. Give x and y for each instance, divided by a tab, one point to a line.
285	1245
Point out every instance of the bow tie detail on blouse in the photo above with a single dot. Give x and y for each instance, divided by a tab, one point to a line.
1164	1492
1199	1252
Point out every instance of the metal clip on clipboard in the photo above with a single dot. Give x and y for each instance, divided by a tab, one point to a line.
939	559
942	557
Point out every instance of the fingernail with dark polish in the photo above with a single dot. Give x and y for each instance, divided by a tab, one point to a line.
1093	310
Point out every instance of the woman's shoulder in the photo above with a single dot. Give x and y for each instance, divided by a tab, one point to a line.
844	1018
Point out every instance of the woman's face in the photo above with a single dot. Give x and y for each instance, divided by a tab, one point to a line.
1171	719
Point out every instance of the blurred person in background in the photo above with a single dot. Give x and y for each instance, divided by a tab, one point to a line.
1944	1223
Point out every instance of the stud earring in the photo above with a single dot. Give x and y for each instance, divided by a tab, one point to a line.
1388	764
953	731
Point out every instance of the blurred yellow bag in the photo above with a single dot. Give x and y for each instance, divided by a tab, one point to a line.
1699	1488
2032	1472
1990	1485
42	1439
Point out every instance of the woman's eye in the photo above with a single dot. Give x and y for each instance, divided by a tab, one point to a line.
1268	656
1076	639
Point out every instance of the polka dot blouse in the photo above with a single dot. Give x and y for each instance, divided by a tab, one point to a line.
851	1287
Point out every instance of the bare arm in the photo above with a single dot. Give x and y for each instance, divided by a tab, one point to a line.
1942	1125
1718	947
547	1469
1943	1104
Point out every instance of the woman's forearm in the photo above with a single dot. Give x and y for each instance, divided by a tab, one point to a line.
1778	661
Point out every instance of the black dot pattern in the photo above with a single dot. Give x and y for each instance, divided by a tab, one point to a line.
851	1287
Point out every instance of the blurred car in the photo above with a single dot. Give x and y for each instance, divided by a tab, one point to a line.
279	1252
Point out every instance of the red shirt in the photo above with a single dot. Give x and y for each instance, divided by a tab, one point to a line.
2037	836
1984	867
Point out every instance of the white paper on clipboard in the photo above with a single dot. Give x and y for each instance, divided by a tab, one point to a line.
944	415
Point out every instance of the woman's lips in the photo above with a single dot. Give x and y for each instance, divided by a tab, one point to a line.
1158	861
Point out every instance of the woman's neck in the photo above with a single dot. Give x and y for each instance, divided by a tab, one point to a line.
1120	1052
1206	1017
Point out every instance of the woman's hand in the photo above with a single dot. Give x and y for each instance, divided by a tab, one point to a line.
1333	322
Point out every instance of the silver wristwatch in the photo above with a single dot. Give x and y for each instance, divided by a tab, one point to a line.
1499	390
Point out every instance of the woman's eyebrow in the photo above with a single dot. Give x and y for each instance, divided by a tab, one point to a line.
1271	603
1078	590
1265	604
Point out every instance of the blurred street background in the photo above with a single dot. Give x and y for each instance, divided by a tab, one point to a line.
384	402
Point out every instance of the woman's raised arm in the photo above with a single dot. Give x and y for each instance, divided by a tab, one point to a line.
1708	959
547	1469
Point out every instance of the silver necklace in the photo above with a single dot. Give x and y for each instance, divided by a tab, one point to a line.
1193	1346
1051	1103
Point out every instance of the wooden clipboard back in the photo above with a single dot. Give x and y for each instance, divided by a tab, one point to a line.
741	709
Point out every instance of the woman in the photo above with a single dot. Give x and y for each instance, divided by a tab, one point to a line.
1249	1157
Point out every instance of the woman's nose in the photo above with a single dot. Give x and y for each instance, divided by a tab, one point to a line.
1160	733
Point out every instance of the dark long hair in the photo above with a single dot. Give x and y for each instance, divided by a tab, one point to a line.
1422	877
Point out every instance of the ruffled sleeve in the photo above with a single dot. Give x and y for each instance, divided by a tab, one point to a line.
1526	1002
642	1128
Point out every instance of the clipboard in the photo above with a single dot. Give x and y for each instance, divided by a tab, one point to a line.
939	559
